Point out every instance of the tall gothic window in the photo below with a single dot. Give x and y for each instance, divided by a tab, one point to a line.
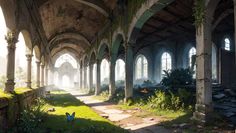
227	44
141	67
191	53
166	63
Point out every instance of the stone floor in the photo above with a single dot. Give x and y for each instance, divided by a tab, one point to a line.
125	119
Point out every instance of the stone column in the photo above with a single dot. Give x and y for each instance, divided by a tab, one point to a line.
128	72
51	77
235	26
46	76
11	39
38	74
90	76
203	105
98	84
42	75
85	77
29	67
112	83
81	77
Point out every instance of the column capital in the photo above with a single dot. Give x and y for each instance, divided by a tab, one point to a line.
11	38
29	57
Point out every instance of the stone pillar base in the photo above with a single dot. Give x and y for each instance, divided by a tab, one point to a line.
203	113
9	86
28	84
128	99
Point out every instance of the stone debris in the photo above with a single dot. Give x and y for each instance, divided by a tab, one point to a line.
224	101
183	125
51	110
106	116
219	96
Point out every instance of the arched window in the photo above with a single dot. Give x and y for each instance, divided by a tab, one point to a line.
191	53
66	58
120	70
141	67
214	63
105	71
166	62
94	74
227	44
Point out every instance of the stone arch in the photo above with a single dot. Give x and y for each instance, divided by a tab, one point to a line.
103	48
117	36
118	40
85	60
63	36
42	59
147	10
37	52
28	43
60	53
92	58
9	8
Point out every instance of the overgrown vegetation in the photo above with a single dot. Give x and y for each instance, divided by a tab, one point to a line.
48	115
31	117
174	100
199	12
177	78
17	91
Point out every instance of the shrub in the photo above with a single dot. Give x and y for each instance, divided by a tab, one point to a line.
167	100
177	77
31	117
104	94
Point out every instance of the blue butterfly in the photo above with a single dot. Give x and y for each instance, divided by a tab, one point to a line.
70	117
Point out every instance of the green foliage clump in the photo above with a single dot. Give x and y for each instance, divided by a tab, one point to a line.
177	78
199	12
169	100
31	117
104	94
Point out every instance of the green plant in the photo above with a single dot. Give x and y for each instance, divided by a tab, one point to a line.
31	117
104	94
177	77
166	101
199	12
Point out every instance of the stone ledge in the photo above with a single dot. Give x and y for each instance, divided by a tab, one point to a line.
11	108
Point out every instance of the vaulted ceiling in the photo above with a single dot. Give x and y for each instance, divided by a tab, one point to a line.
73	22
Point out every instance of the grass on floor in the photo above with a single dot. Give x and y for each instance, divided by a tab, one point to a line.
17	91
87	121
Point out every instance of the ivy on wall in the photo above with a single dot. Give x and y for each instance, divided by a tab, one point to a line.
199	12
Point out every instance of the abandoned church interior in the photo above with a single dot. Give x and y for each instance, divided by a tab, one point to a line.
102	66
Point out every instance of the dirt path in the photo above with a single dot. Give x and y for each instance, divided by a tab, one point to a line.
124	118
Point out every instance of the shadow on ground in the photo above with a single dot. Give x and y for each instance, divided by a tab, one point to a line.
58	124
86	120
185	124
